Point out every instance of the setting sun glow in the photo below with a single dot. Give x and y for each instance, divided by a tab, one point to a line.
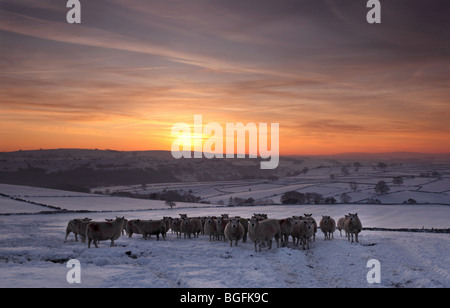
130	71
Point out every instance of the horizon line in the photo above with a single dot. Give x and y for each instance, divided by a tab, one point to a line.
286	155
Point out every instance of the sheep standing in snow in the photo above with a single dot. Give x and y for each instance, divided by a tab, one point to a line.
328	226
102	231
221	223
131	227
190	226
340	225
260	232
302	232
152	227
175	225
286	226
210	228
352	225
244	223
167	221
234	231
77	227
310	218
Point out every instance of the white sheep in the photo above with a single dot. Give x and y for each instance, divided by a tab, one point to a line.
352	225
131	228
302	232
234	231
152	227
310	218
221	223
190	226
328	226
340	224
175	225
263	231
286	226
102	231
210	228
77	227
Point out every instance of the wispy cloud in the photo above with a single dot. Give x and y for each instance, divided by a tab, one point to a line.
316	67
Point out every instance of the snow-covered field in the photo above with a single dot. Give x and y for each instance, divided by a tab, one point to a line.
33	252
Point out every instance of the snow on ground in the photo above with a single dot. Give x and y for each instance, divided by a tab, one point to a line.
33	253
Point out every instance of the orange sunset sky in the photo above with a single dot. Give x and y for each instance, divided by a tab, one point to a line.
133	68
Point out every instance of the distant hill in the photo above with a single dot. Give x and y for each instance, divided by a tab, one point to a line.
82	169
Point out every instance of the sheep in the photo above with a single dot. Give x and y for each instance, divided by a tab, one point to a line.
175	225
260	216
310	218
302	231
340	224
352	225
328	226
190	226
132	228
286	226
264	231
244	223
152	227
221	223
77	227
210	228
102	231
202	220
167	221
197	223
234	231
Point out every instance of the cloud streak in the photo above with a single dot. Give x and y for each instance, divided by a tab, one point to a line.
315	67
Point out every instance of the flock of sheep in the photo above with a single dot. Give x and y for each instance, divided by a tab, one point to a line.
260	229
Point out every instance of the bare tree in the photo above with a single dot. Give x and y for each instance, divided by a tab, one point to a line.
171	204
381	188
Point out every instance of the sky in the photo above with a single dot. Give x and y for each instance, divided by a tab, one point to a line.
134	68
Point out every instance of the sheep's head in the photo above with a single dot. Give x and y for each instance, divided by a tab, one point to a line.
352	217
254	222
234	223
326	219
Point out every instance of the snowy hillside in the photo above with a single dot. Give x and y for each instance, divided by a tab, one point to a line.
33	222
33	252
